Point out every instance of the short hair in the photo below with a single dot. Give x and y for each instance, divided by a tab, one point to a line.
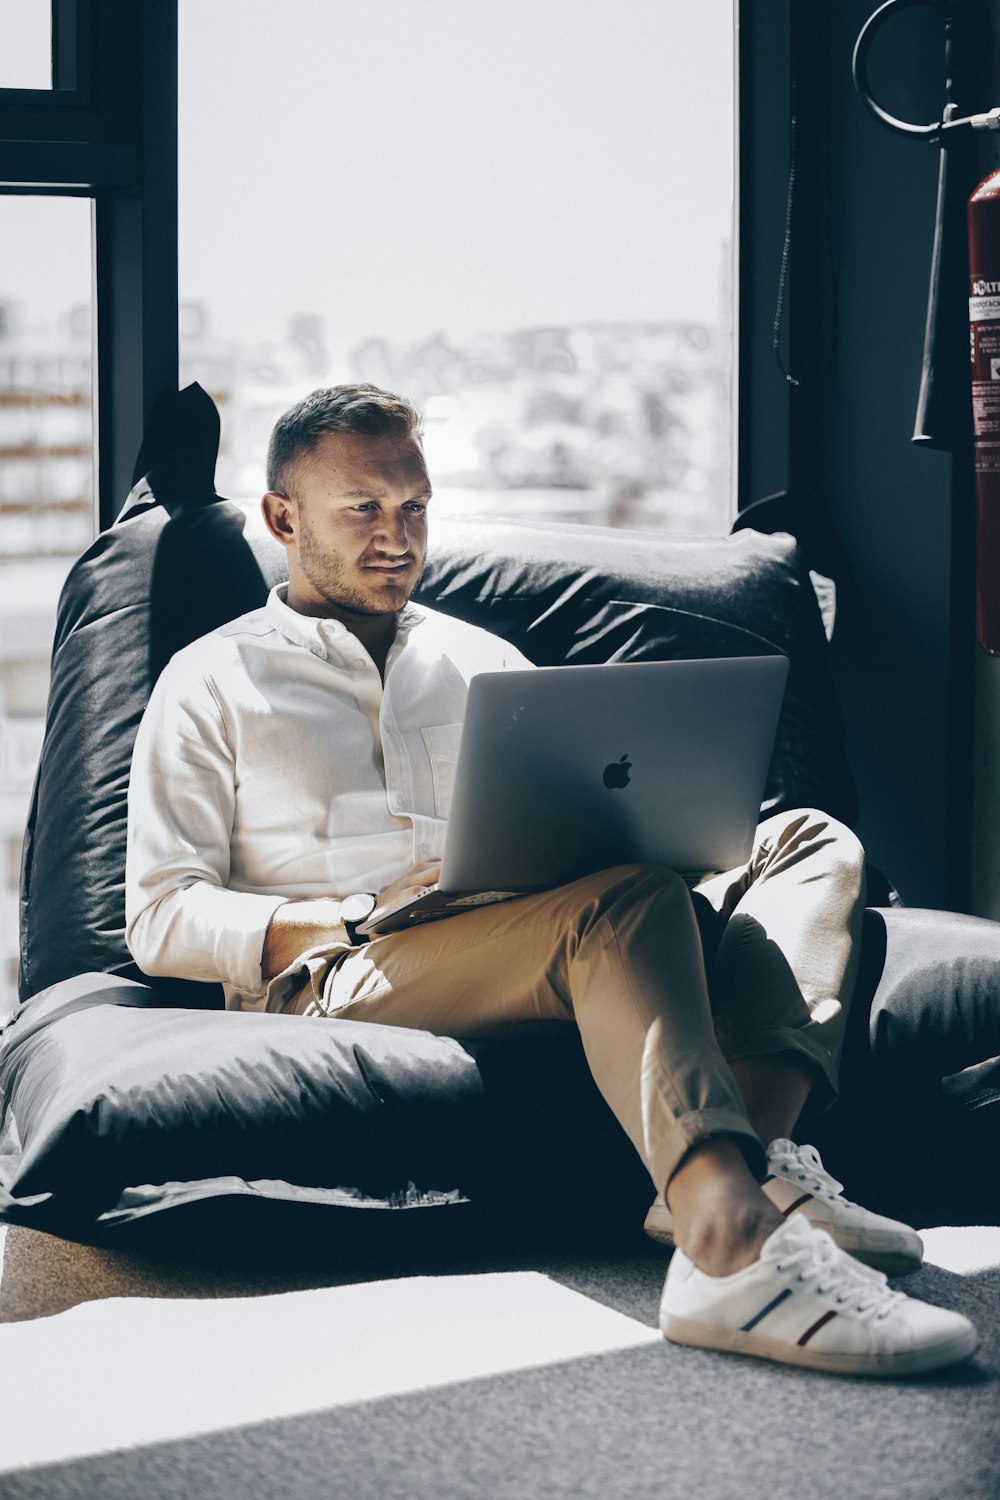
365	409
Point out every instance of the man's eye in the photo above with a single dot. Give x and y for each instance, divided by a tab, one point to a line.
417	506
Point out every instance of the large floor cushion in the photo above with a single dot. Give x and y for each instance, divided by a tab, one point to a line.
121	1098
156	580
116	1107
916	1130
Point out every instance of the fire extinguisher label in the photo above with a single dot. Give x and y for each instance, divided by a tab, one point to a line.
982	309
984	317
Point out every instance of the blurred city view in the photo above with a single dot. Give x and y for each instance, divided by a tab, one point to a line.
613	424
46	521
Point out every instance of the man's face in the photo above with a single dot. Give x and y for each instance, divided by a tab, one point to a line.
359	513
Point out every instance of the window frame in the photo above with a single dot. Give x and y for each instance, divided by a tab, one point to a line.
107	130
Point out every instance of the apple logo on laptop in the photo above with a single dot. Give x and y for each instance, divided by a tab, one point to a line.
616	775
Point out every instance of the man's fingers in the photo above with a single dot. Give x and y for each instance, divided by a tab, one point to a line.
416	879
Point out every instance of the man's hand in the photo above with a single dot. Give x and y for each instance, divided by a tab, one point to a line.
297	926
406	887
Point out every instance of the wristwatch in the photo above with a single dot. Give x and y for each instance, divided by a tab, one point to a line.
354	909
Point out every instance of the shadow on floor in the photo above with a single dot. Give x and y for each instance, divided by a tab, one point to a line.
249	1248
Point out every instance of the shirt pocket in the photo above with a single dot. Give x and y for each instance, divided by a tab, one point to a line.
441	743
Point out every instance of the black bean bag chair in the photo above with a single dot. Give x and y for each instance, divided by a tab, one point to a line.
123	1096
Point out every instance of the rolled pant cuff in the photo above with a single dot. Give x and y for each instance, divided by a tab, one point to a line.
704	1125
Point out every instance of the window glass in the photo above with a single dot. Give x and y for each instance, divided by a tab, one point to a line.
519	216
46	487
26	44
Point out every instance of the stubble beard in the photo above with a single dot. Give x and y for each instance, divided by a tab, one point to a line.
329	577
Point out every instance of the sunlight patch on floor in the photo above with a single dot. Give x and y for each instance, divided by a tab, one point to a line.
132	1371
963	1250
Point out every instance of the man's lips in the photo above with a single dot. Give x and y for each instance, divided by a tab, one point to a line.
401	567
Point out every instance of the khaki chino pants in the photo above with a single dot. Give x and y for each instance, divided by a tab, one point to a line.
618	953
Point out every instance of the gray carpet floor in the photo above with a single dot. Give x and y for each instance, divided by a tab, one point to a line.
633	1422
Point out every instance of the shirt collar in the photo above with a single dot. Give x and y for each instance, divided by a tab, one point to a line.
318	634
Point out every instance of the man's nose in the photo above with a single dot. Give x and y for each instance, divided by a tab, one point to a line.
392	535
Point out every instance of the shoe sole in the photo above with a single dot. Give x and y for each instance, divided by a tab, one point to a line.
908	1362
659	1233
892	1262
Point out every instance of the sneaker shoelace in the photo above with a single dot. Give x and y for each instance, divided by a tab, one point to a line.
804	1164
833	1274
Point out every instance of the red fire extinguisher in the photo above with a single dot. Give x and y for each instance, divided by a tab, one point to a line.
984	330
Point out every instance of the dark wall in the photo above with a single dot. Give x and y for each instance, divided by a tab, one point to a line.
891	500
861	251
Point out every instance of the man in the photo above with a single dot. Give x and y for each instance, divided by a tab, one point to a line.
294	768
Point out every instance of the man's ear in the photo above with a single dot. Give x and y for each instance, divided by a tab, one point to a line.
280	517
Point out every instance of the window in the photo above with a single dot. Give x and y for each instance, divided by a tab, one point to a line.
26	44
518	216
87	199
490	208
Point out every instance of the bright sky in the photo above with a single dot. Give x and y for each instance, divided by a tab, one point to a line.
405	167
402	168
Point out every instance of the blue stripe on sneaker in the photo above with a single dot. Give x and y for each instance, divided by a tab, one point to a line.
776	1302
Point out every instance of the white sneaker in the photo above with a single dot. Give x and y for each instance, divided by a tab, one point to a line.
806	1302
798	1183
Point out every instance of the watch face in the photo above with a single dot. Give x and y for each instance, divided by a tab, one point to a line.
356	908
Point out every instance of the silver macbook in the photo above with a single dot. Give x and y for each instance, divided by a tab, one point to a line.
565	770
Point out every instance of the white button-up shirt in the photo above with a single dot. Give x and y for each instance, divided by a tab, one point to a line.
272	762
